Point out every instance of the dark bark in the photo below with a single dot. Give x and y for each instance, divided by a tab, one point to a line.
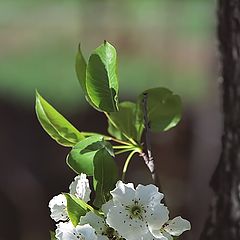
223	222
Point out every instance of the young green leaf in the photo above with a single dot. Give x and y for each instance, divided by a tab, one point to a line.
80	159
105	176
101	78
115	132
80	67
126	122
75	208
163	108
60	129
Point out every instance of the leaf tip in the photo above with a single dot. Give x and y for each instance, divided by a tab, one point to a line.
79	48
37	93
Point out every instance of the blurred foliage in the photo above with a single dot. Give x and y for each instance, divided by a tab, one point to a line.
39	41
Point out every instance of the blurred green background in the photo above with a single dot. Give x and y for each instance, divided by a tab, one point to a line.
160	42
169	43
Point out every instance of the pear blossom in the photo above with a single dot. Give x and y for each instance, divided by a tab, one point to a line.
58	204
58	208
80	187
135	212
103	230
106	206
66	231
174	227
149	236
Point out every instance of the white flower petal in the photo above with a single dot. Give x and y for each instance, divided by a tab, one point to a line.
106	206
157	216
66	231
80	187
177	226
135	212
149	236
64	227
129	228
123	193
100	237
161	234
58	205
86	231
103	231
148	194
95	221
167	235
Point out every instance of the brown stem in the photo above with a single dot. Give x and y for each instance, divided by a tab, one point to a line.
147	154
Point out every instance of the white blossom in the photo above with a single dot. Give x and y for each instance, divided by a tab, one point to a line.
66	231
58	204
103	230
58	208
80	187
149	236
174	227
135	212
99	224
106	206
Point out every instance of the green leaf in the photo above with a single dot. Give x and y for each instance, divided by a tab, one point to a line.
126	121
164	108
80	159
55	124
105	176
75	208
115	132
80	67
101	78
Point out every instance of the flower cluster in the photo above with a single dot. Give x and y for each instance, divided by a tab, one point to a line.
131	214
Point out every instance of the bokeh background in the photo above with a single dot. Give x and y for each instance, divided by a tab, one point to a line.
168	43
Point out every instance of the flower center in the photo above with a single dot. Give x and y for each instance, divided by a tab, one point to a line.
136	211
110	232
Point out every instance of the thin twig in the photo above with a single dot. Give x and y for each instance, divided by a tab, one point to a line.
147	156
125	167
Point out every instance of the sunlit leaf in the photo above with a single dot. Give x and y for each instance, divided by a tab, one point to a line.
81	67
55	124
101	78
81	157
75	208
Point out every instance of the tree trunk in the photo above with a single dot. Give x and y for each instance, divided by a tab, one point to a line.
223	222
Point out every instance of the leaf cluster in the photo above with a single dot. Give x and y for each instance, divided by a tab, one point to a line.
92	153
